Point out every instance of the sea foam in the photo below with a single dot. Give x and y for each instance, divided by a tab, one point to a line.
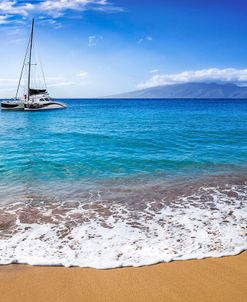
210	222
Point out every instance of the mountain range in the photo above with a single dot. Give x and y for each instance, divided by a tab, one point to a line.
190	91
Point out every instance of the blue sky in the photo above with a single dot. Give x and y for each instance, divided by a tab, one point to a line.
93	48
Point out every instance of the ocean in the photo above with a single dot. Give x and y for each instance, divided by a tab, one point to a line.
111	183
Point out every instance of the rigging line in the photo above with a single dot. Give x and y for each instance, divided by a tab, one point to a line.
30	62
22	69
40	61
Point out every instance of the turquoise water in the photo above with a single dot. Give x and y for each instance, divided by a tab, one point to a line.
98	139
109	183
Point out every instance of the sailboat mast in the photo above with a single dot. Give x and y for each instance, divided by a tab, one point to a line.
30	62
22	69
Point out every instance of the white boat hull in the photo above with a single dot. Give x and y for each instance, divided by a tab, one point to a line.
45	106
12	105
21	106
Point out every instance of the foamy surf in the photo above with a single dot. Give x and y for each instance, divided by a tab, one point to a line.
211	221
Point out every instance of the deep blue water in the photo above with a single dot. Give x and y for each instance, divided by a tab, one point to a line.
99	139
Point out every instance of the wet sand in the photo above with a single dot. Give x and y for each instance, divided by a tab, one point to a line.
214	279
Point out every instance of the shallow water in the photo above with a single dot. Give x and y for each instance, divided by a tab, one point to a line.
109	183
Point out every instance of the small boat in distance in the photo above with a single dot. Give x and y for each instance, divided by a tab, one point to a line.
34	99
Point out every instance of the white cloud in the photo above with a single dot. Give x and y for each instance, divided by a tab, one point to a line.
60	5
16	41
57	7
110	9
93	40
15	8
50	21
147	38
4	19
54	8
154	71
204	75
82	75
61	84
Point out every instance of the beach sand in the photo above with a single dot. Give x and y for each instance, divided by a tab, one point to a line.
214	279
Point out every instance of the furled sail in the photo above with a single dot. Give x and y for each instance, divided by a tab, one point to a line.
36	91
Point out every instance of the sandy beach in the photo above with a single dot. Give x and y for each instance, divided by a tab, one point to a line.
214	279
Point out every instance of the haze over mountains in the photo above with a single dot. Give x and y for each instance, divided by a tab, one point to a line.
190	91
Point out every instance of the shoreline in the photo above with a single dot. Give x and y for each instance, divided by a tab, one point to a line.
126	228
210	279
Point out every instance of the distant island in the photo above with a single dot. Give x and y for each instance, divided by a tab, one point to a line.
190	91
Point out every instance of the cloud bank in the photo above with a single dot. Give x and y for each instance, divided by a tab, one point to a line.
52	8
238	76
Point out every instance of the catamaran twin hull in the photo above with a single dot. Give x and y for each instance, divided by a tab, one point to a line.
20	106
12	105
34	98
46	106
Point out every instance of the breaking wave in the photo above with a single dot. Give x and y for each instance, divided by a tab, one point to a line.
103	230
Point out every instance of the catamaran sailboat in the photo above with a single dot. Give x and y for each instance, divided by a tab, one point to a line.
34	98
